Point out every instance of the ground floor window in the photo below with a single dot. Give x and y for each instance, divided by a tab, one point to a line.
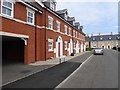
50	44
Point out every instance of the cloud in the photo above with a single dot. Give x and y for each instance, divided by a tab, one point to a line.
88	0
100	16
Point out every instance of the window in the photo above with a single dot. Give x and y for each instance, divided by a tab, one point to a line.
30	16
74	33
74	46
73	23
93	38
78	27
50	44
58	26
65	29
52	5
69	31
110	38
65	45
7	8
79	35
101	38
66	16
50	22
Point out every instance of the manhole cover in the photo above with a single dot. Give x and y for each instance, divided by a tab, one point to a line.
25	71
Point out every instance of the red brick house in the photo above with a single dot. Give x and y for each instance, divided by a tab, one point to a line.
35	31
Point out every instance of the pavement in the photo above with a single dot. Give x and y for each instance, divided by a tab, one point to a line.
16	70
55	61
99	71
51	77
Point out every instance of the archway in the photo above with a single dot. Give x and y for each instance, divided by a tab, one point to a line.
70	49
59	46
77	47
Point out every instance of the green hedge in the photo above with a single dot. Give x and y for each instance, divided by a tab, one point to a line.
88	49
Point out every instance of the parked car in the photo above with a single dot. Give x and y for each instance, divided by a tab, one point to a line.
114	48
98	51
118	48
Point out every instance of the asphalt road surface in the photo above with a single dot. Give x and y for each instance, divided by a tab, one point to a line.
100	71
52	77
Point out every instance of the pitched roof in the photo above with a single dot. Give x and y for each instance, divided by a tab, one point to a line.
47	0
103	37
62	11
77	23
33	4
71	18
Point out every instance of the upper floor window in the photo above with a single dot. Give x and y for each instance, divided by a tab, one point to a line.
58	26
50	22
69	31
74	33
52	5
7	8
65	29
93	38
79	35
66	16
30	16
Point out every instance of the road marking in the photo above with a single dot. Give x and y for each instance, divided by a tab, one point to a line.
74	72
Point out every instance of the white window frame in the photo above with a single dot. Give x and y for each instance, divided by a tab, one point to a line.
79	35
65	29
66	45
12	9
69	31
101	38
50	24
51	41
76	34
93	38
33	12
52	5
73	33
57	27
66	16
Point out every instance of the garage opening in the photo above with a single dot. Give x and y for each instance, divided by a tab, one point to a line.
12	50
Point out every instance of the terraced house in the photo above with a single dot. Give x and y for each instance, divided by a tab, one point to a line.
106	41
35	31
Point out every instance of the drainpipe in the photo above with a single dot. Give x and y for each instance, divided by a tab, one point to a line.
73	41
45	34
36	35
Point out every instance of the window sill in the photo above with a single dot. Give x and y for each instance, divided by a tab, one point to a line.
50	50
6	16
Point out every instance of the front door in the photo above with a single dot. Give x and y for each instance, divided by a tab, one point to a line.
58	49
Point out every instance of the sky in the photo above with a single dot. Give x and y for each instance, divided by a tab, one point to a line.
96	16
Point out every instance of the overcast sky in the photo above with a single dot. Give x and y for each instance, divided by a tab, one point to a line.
96	15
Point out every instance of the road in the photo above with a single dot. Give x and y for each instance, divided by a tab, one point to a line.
52	77
100	71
